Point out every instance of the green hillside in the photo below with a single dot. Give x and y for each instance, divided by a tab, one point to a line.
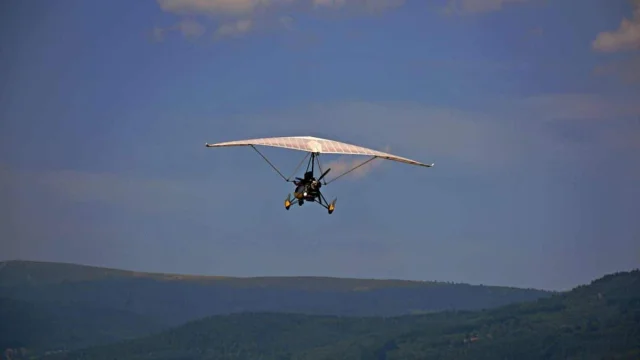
50	326
175	299
597	321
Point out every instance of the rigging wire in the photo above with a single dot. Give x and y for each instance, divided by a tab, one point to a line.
300	164
345	173
269	162
319	166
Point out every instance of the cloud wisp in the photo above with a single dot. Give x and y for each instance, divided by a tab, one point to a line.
477	6
347	167
625	38
189	28
236	18
626	70
502	133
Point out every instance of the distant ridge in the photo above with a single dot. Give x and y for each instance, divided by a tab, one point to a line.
92	299
55	272
46	272
600	320
173	299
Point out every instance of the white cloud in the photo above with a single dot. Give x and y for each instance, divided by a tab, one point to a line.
368	5
189	28
158	34
627	70
238	17
124	191
245	7
626	37
146	195
288	22
217	7
236	28
551	107
477	6
499	134
329	3
46	211
231	17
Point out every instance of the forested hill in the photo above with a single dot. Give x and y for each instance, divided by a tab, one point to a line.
174	299
45	326
596	321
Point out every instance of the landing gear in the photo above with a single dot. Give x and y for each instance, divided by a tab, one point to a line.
308	188
320	200
308	183
331	206
287	202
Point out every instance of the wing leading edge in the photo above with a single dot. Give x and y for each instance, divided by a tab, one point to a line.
317	145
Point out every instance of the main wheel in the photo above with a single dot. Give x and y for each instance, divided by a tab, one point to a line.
287	204
331	207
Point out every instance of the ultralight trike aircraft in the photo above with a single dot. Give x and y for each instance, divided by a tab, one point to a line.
308	187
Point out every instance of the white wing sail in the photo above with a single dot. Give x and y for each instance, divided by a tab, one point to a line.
317	145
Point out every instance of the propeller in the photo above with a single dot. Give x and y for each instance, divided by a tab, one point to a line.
324	174
320	178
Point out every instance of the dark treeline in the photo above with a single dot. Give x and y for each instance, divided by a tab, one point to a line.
68	311
597	321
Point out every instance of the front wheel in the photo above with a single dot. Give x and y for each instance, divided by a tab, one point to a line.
332	206
287	202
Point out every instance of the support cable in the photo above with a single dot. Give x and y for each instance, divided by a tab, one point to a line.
300	164
310	163
343	174
320	168
269	162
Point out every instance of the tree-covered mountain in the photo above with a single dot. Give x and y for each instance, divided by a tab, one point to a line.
46	326
596	321
175	299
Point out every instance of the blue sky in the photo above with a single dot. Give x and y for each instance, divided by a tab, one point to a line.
529	108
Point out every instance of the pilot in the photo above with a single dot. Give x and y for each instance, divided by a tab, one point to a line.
308	176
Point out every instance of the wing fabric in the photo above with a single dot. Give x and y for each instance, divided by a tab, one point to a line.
317	145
